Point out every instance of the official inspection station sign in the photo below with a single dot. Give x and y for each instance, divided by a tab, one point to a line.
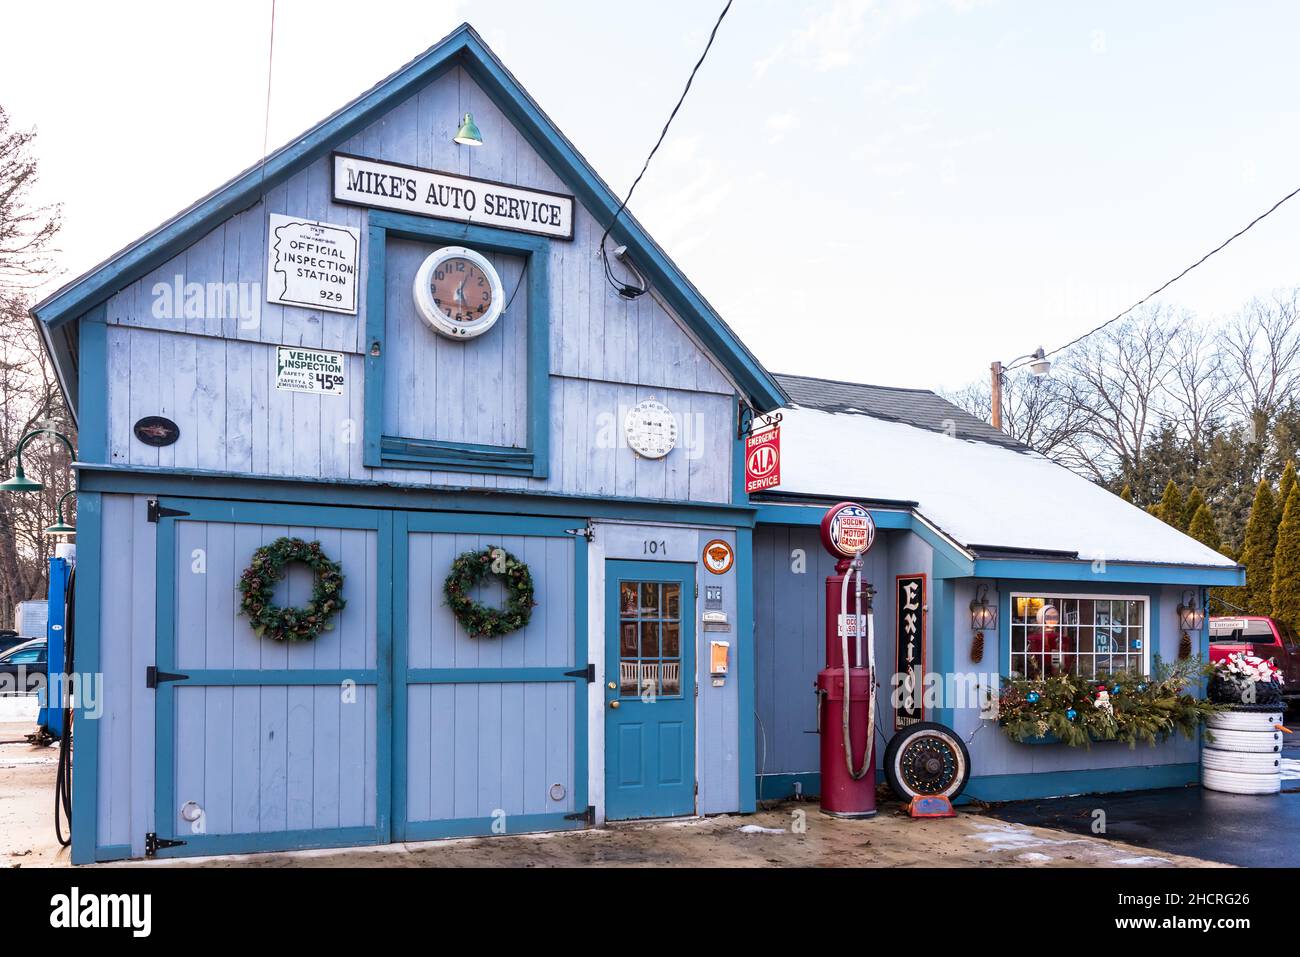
426	192
311	264
309	370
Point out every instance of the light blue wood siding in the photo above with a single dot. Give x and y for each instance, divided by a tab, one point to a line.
475	749
213	372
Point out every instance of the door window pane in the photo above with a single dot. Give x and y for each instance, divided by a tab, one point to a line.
650	638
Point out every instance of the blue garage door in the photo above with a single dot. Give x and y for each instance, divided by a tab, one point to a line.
265	745
491	733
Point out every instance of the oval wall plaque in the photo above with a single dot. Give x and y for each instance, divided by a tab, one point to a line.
157	431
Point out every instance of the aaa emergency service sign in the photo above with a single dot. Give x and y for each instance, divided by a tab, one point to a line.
309	370
763	460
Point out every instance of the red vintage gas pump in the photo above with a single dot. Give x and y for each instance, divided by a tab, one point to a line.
845	687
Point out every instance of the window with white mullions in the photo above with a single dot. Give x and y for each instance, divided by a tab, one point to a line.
650	628
1087	635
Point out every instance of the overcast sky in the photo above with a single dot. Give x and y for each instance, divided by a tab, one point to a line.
894	192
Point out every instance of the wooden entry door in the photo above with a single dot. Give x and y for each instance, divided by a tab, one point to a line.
649	689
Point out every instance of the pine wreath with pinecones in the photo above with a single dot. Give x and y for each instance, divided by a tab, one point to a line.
468	571
257	588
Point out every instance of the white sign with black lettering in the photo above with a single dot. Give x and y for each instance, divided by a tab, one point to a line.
311	264
427	192
309	370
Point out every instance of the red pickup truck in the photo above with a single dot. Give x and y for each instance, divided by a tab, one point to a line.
1262	637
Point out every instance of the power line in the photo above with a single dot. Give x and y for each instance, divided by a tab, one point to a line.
1162	288
624	290
266	115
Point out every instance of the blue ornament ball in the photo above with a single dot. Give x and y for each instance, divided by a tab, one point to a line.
1071	714
1032	697
1115	690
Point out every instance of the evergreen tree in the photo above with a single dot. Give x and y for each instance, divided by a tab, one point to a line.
1284	486
1286	561
1126	493
1257	551
1170	508
1203	528
1194	501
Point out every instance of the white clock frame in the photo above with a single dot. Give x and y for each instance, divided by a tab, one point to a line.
438	320
635	441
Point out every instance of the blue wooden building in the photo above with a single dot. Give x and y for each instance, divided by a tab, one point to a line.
263	366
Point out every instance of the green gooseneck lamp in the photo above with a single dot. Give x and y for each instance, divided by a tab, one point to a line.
20	482
60	528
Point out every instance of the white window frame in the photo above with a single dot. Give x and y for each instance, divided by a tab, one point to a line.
1147	636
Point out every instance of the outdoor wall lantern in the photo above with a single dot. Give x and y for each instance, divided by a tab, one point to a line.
468	134
1190	616
20	482
983	617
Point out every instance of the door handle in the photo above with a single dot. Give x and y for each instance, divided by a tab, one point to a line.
614	703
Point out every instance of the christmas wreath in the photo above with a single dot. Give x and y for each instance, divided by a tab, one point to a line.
468	571
257	586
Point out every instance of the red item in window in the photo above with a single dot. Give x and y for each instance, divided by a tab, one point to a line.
1049	651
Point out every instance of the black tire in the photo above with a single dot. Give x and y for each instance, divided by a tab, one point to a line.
1256	708
927	759
1227	692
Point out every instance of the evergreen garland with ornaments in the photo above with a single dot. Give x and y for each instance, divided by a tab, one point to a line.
1120	707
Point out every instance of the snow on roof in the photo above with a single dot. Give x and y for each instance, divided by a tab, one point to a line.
976	492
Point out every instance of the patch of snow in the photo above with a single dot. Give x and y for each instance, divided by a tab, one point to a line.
975	492
1002	836
1290	769
1140	861
756	829
1029	857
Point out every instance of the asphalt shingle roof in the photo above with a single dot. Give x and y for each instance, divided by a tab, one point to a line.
920	408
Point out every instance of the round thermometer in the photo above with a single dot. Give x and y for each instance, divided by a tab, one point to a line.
651	429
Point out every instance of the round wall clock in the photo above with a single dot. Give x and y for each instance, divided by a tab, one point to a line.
458	293
651	429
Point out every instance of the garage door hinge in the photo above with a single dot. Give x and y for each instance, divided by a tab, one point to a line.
588	532
158	510
153	844
588	672
153	677
588	816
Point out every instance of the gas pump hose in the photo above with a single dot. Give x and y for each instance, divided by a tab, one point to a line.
856	568
63	777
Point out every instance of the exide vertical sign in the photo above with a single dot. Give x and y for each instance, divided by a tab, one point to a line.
763	460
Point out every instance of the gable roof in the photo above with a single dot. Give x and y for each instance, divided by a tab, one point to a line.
917	407
463	47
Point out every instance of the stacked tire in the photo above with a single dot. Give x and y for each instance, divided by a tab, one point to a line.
1242	752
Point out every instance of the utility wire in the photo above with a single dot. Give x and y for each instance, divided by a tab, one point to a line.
1160	289
629	292
266	115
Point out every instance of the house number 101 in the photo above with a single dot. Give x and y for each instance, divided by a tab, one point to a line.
649	547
